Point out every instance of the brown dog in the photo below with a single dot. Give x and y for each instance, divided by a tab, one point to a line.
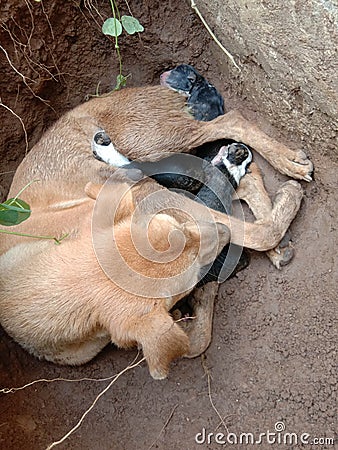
71	300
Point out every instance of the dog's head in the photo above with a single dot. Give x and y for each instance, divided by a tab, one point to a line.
156	238
168	252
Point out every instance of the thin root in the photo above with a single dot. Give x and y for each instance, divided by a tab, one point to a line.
229	55
66	436
164	426
207	373
21	121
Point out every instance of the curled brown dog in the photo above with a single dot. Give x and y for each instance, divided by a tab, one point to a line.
66	283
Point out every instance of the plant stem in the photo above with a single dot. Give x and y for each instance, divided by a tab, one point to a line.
15	233
113	7
23	189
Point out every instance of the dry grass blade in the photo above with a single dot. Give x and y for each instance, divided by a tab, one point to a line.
207	373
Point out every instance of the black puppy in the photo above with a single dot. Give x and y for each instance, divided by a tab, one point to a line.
205	104
204	101
195	175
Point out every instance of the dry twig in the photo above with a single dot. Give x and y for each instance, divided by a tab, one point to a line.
208	375
66	436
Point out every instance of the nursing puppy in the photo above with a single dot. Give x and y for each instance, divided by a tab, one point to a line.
203	99
212	179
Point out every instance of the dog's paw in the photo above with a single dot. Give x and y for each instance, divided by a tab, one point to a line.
297	165
283	254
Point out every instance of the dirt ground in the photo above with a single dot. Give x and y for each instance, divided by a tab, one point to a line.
274	349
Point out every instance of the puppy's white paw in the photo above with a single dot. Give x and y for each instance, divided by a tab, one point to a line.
104	150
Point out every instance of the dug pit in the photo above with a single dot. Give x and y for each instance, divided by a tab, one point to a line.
272	355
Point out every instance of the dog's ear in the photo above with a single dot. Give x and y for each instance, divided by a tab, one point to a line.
209	237
114	202
163	231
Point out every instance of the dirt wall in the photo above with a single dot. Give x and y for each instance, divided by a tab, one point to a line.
287	53
53	56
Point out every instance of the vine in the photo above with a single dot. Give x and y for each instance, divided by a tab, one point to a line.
113	26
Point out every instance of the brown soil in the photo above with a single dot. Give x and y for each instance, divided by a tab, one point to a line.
274	341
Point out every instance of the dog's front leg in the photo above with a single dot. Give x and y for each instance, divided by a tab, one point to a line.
289	162
265	234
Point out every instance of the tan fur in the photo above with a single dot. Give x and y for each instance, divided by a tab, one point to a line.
64	308
65	304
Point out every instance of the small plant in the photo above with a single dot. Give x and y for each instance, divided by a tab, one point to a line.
14	211
114	26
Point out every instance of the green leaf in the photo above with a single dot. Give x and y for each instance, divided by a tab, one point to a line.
121	81
131	25
13	211
112	27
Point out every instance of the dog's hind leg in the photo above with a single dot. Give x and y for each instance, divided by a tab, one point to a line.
75	354
252	191
265	234
162	340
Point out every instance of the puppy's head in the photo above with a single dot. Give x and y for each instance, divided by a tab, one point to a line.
204	101
236	158
181	79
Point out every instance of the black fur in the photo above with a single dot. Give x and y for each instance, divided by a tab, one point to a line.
204	101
